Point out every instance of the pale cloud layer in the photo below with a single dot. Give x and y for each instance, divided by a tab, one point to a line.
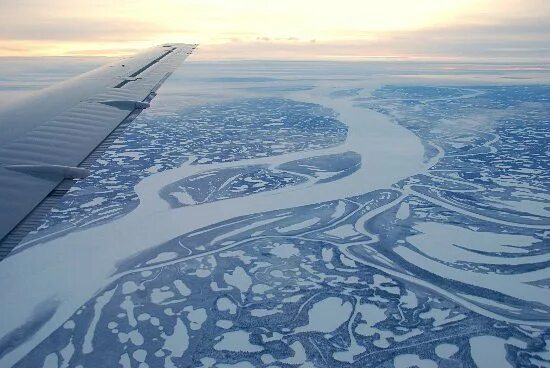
307	29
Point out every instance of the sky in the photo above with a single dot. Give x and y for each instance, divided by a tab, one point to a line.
506	30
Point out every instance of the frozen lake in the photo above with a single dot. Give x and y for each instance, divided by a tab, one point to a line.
300	214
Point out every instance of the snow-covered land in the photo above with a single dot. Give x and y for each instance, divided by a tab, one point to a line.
298	221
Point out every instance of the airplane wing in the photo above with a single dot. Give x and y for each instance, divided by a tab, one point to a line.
48	138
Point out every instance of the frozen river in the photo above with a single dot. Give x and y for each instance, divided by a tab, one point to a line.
297	222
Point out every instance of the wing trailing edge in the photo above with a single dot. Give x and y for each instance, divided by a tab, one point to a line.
46	136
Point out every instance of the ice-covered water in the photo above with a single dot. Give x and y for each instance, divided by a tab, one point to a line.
298	220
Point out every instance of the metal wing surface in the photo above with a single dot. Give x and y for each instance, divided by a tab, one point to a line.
46	138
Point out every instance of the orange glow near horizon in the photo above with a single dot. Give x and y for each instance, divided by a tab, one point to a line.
241	27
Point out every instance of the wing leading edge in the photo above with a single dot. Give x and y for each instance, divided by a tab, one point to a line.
46	136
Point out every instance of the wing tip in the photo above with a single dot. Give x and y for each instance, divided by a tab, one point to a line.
180	45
